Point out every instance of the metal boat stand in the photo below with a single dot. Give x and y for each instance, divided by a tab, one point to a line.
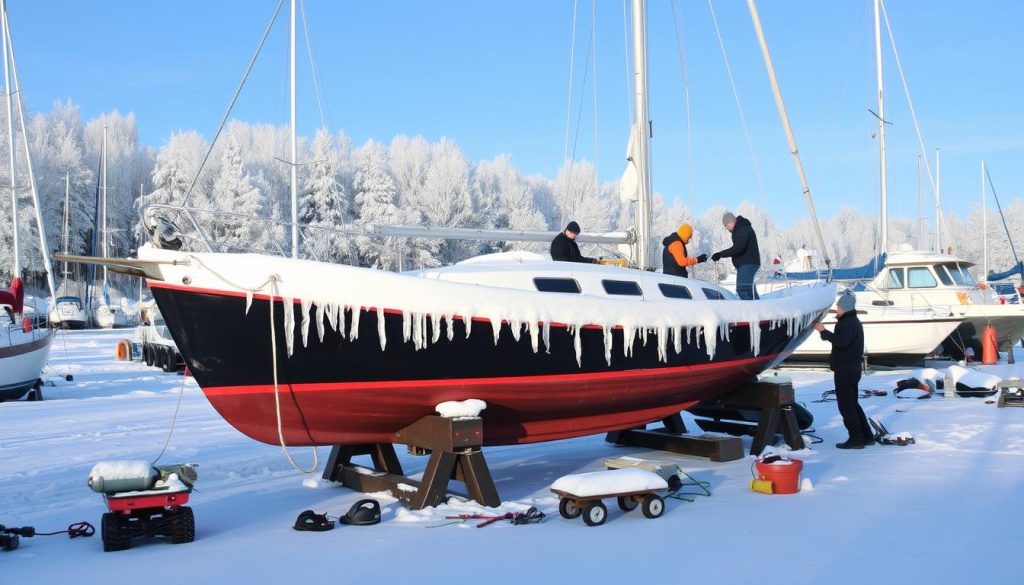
455	453
768	404
673	438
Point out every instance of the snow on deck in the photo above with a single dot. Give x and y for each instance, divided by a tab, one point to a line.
945	510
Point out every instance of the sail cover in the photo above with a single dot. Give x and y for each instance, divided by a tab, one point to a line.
1017	268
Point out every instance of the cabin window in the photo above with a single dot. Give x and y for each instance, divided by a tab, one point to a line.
674	291
621	287
896	278
943	276
960	274
713	295
557	285
920	277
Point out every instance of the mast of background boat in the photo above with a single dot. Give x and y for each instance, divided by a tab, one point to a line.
641	127
984	223
10	145
790	137
938	201
884	208
920	207
67	191
103	194
294	161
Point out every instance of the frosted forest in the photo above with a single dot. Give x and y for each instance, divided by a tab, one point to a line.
409	181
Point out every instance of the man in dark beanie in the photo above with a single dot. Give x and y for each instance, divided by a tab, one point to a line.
564	247
845	362
745	254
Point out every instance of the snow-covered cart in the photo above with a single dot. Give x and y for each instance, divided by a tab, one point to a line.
581	493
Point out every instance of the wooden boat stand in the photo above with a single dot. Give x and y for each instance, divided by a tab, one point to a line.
673	438
455	453
773	399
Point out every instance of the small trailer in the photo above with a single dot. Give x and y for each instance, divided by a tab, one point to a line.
581	494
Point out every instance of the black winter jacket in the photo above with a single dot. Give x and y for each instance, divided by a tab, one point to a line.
668	261
566	250
744	250
847	344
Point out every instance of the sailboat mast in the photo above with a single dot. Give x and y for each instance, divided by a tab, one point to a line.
103	194
938	202
884	208
984	223
642	129
10	142
920	207
294	161
67	192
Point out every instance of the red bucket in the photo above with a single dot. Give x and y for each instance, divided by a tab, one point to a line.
785	476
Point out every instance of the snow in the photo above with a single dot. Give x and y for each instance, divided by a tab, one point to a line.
122	470
944	510
461	409
616	481
972	378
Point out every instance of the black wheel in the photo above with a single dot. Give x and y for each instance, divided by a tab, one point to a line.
147	354
569	508
168	359
627	503
183	526
113	536
653	505
594	514
674	483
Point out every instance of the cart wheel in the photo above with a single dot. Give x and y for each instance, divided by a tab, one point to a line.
653	505
569	508
627	503
112	535
183	526
147	354
674	483
168	361
594	514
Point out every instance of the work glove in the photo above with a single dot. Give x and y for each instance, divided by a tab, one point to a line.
702	258
716	256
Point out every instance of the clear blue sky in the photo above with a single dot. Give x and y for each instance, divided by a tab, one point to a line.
493	76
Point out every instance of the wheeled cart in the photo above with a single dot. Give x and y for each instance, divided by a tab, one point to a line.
582	494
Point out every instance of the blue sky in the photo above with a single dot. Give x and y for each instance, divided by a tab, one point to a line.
493	76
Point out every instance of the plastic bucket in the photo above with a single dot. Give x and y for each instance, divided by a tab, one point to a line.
785	476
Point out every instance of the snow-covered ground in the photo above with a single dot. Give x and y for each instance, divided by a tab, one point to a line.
945	510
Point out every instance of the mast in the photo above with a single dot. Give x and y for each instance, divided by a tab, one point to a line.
294	161
938	202
984	223
884	208
920	207
103	194
67	192
10	142
641	128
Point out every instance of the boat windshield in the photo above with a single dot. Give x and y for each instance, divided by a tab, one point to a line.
73	300
959	273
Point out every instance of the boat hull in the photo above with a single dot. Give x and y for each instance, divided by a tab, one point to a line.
21	362
896	342
338	390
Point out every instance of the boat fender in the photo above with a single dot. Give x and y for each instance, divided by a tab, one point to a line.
26	325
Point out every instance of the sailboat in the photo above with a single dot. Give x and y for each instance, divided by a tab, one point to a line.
67	310
24	341
105	314
300	352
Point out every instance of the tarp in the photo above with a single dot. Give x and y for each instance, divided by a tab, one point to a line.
14	296
1017	269
869	270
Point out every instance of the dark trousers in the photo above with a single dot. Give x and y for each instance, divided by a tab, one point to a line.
745	288
853	416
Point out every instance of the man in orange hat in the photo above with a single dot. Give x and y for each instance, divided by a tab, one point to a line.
674	257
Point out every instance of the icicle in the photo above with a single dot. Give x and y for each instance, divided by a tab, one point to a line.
517	329
381	333
320	321
450	327
248	301
467	322
607	343
496	329
304	328
289	323
435	327
662	334
339	318
353	330
534	335
406	326
547	337
577	342
677	336
331	313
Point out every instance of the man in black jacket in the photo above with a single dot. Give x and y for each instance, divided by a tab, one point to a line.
845	362
564	247
745	254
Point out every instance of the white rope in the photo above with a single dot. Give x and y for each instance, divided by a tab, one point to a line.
174	420
277	392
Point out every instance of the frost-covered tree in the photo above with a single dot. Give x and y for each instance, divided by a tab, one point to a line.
376	195
506	201
580	198
234	191
324	202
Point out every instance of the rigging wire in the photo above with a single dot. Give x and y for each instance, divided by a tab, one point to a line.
1016	260
629	78
572	60
579	115
234	99
593	41
313	67
686	93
